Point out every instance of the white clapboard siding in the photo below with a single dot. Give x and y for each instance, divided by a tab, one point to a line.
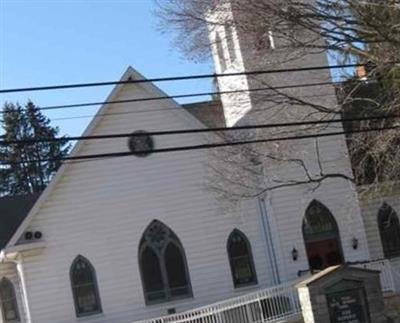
288	207
370	206
100	209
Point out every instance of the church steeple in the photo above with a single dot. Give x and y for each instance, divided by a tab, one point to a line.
258	48
227	56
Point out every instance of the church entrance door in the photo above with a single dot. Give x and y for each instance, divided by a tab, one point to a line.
321	237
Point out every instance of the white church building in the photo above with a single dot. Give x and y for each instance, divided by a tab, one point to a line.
118	240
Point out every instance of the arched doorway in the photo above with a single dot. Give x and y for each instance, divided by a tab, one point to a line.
389	229
321	237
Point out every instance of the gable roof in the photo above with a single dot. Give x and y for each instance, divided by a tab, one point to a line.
13	210
210	113
198	118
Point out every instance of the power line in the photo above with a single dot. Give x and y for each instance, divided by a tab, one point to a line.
161	109
199	130
176	78
181	96
198	147
88	104
190	95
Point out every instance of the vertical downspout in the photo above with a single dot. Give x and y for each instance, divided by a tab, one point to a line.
21	275
269	240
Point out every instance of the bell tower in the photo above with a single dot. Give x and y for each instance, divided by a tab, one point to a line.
227	56
258	96
285	81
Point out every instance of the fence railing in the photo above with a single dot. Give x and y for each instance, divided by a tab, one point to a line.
385	267
396	278
273	304
267	305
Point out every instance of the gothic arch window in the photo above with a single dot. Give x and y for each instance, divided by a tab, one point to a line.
220	52
84	287
9	306
241	259
321	237
318	220
163	266
389	229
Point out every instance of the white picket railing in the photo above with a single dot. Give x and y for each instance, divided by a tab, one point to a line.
396	278
385	267
272	304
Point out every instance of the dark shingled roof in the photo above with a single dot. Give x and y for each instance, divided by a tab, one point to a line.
210	113
13	210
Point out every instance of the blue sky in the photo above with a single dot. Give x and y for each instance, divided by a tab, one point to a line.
58	41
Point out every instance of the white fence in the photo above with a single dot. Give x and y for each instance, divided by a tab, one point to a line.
396	278
385	267
273	304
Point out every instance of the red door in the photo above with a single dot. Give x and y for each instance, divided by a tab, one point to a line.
324	253
321	237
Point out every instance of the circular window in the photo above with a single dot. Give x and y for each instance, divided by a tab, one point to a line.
139	145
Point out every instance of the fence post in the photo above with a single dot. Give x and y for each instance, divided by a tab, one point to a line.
248	313
261	309
390	273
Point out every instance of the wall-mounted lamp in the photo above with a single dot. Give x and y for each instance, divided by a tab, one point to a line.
295	254
354	243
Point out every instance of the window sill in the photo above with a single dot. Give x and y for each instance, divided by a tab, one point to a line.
245	287
14	321
89	316
169	301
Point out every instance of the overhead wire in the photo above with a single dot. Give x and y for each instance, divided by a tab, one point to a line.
198	130
190	95
182	108
179	78
198	147
200	94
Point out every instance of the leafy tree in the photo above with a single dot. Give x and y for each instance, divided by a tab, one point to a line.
28	167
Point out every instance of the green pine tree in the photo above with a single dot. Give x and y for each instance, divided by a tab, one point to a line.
25	168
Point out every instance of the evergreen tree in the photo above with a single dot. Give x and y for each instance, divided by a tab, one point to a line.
26	168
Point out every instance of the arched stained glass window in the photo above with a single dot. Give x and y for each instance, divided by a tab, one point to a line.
9	306
318	221
389	228
84	287
163	265
241	259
